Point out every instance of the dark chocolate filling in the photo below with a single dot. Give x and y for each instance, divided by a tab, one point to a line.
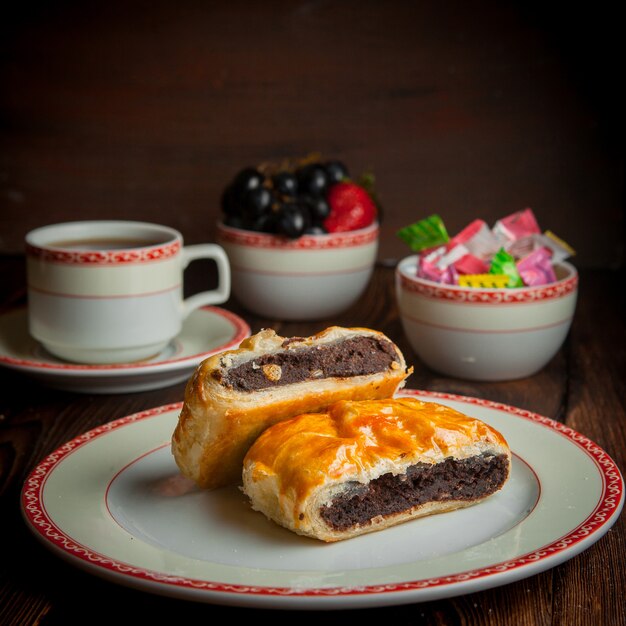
357	356
464	480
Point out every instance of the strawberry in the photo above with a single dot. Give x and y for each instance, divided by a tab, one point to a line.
351	208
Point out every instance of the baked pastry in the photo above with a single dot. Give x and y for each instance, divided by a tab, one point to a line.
367	465
234	395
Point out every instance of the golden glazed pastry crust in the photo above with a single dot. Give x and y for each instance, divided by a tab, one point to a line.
219	421
298	467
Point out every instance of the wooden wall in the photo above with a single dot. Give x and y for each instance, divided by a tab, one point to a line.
144	110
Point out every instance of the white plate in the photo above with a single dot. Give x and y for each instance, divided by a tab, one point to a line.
206	331
112	502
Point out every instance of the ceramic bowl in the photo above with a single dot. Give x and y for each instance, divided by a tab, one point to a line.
313	277
485	334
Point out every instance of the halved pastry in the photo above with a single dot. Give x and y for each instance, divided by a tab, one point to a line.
234	396
367	465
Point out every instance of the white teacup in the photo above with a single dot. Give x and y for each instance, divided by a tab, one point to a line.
112	291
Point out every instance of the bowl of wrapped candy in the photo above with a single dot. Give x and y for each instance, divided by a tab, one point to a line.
490	303
301	237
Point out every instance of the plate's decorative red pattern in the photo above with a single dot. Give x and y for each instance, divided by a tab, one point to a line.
105	257
306	242
608	500
522	295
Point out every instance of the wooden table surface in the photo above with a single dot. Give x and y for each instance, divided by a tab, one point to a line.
583	387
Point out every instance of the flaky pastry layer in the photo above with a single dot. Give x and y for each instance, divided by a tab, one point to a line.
297	469
220	418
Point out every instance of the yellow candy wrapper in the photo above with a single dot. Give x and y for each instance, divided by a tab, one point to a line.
559	242
486	281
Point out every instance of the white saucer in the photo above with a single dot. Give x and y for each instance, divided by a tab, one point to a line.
206	331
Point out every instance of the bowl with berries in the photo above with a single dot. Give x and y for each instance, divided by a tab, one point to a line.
301	237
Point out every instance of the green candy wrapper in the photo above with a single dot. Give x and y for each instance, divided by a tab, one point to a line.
427	233
503	263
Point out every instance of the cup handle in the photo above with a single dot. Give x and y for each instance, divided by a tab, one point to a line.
217	296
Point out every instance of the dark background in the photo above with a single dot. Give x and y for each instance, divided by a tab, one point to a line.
144	110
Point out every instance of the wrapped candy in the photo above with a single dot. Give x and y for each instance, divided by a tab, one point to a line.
560	249
425	234
484	280
430	269
516	226
514	248
521	247
478	239
536	268
504	263
451	257
470	264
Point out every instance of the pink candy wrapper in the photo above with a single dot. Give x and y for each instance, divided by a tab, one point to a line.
479	240
536	268
516	226
470	264
429	270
